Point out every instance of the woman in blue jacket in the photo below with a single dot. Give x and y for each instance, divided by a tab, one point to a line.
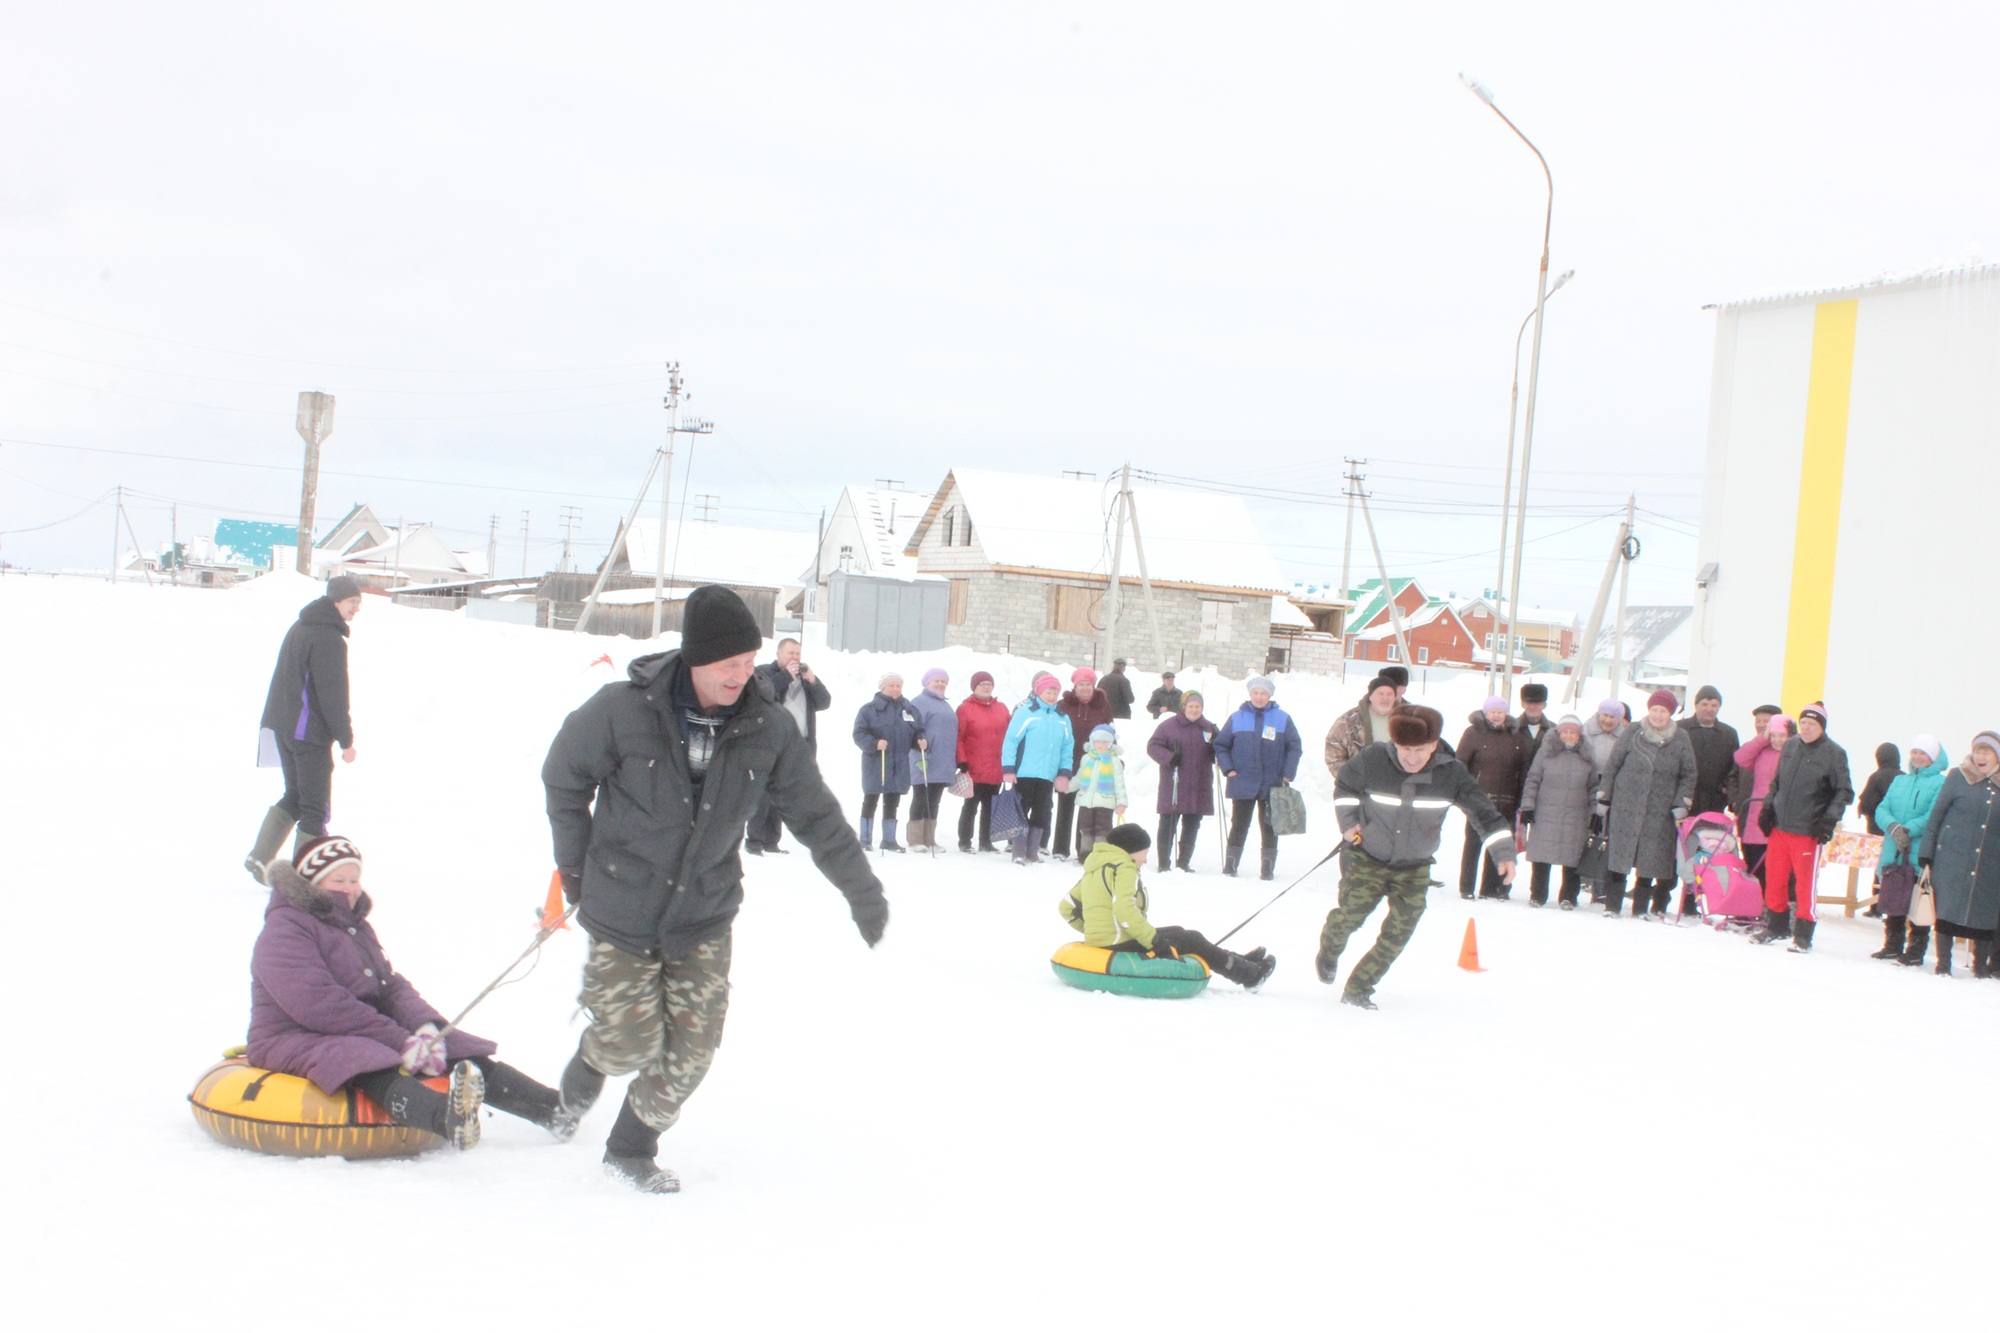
1036	758
1257	749
885	730
1904	814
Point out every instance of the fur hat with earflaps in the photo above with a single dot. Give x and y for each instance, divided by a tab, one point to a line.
1414	724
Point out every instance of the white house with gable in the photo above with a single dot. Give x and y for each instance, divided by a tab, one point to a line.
1029	562
865	534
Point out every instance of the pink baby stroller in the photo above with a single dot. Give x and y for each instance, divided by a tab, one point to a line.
1711	860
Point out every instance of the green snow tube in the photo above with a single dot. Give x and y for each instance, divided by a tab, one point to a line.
1087	967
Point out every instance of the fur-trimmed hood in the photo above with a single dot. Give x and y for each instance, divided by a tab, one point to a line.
289	889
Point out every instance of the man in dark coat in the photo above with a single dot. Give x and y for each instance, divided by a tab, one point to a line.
1118	690
1391	801
649	784
1166	700
305	716
791	685
1715	745
1802	809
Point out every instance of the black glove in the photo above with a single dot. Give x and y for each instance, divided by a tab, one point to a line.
1527	818
1596	824
1924	864
1823	830
1767	819
965	768
572	882
871	918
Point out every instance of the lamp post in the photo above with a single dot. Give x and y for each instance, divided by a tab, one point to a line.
1507	477
1513	589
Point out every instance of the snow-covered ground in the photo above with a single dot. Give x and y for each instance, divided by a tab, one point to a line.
1618	1125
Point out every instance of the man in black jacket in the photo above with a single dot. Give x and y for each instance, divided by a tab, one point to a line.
305	716
1808	795
649	785
1118	690
1391	801
1167	698
1715	746
791	685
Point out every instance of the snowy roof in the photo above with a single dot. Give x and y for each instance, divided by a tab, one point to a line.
1319	594
1970	268
720	553
1369	602
1527	615
887	519
1387	629
1060	524
1647	631
1284	613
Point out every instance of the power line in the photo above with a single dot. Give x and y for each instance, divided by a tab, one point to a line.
265	411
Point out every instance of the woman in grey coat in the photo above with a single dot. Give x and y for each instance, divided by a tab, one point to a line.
1964	828
1647	788
1555	810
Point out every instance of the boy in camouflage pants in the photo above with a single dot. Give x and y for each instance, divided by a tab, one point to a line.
1391	801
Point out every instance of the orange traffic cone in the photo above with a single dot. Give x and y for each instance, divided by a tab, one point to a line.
553	907
1468	952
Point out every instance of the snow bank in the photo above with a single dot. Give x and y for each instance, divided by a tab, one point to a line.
935	1134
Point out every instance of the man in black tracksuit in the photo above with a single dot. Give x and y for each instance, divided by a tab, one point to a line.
305	712
649	784
790	684
1391	800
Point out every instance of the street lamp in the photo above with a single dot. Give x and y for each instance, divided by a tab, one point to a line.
1507	477
1513	589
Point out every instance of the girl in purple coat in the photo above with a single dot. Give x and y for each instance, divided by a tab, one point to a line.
1181	747
325	1004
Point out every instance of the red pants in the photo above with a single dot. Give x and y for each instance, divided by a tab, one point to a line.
1788	865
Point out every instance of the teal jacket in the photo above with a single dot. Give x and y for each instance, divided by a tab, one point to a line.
1908	802
1038	743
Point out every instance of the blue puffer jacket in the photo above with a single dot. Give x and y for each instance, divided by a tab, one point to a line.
1261	746
1908	802
1038	743
940	759
894	721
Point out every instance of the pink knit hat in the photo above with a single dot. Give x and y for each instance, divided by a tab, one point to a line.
1083	676
1045	681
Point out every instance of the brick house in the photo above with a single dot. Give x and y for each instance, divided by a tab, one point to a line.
1436	635
1543	635
1029	563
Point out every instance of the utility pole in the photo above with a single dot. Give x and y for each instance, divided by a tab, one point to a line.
1145	579
570	517
315	423
1586	652
1628	551
708	505
524	543
675	392
1347	554
1117	556
117	511
174	538
1388	589
396	577
493	547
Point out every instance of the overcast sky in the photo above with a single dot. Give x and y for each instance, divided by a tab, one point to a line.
1232	243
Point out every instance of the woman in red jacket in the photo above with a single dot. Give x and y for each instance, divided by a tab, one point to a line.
982	725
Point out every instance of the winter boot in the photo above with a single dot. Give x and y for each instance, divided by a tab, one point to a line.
1920	940
1327	965
1776	926
1251	972
628	1155
1982	960
1017	847
1944	948
578	1091
277	823
1614	896
1269	869
1360	999
511	1091
1802	933
1233	859
1034	846
889	843
1642	896
1894	930
1182	862
867	832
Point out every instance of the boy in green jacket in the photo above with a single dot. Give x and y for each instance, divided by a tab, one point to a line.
1108	907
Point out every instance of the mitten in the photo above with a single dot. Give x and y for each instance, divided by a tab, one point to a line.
1062	783
1901	837
871	918
1767	819
423	1053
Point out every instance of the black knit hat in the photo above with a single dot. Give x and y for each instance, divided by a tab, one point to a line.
1397	676
1129	838
341	587
1380	682
716	624
1534	694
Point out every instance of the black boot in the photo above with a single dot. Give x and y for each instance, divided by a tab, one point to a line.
1944	944
1327	965
1234	858
1802	933
576	1093
1270	863
1776	926
1360	999
1894	929
628	1154
278	822
1249	972
1920	940
1190	826
1982	960
509	1090
1614	895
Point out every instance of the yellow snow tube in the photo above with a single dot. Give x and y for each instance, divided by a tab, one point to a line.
286	1116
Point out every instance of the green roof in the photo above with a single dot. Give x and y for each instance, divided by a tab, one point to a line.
1369	601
